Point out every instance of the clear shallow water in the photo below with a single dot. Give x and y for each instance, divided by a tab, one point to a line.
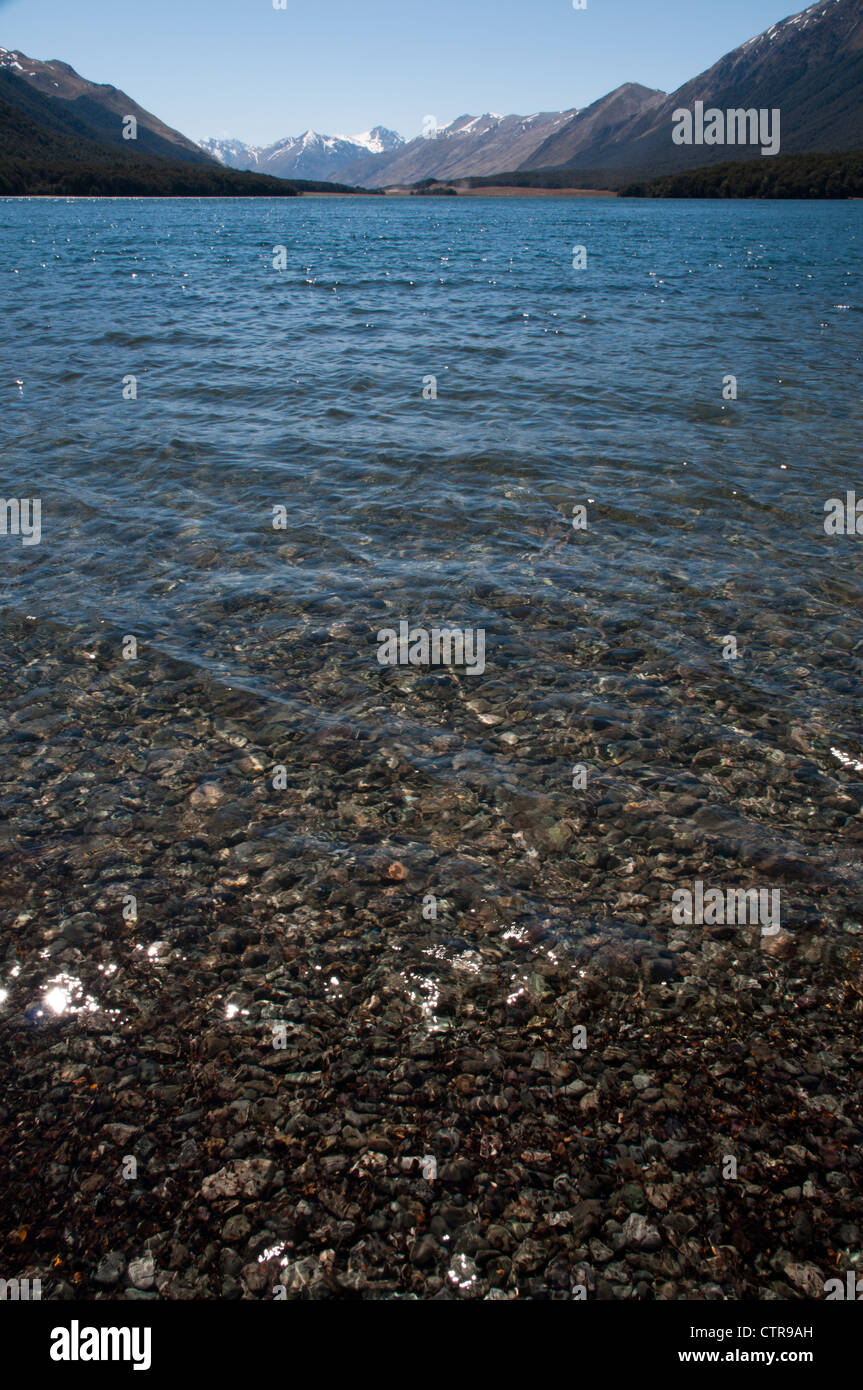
556	387
451	1035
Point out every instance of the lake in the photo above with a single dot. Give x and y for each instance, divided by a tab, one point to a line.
404	599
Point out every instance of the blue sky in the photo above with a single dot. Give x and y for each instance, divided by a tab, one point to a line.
240	68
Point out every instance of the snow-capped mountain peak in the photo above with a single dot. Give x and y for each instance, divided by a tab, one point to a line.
378	140
309	156
9	58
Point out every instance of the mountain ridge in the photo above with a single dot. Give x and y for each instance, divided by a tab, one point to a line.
809	66
468	145
465	146
95	110
310	155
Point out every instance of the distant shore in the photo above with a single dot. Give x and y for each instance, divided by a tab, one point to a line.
493	191
501	191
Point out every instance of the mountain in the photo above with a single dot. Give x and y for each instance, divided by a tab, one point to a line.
233	154
597	124
809	66
378	140
46	157
309	156
72	144
60	98
468	145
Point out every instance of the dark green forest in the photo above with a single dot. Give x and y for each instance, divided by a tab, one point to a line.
550	178
787	176
141	179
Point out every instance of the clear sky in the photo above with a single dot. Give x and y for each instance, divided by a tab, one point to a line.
241	68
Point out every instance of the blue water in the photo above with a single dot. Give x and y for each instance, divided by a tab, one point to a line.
556	387
149	781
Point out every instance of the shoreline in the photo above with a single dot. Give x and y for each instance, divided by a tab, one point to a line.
506	191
